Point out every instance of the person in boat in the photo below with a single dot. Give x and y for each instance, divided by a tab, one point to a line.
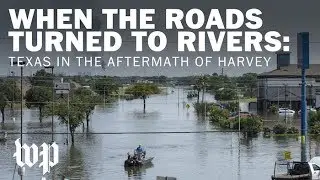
140	152
129	156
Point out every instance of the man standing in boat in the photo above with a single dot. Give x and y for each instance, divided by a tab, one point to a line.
140	151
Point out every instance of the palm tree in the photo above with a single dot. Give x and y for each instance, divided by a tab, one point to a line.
198	89
143	90
201	84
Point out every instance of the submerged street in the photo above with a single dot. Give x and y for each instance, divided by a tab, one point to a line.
186	156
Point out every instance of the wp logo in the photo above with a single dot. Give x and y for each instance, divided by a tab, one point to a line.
45	153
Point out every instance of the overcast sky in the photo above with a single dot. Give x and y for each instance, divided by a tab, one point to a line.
286	16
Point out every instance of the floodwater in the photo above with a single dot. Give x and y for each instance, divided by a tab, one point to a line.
186	156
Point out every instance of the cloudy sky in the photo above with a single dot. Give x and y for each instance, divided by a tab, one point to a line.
286	16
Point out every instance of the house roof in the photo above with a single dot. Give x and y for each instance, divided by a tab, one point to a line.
292	71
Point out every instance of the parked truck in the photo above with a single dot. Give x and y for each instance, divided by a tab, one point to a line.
299	170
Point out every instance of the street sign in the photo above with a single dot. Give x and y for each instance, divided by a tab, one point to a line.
287	155
62	88
303	50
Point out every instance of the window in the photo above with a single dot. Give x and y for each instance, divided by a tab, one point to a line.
315	167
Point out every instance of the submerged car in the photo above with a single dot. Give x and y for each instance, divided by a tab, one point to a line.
286	111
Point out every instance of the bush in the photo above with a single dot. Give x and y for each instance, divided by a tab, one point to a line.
314	118
315	129
202	108
226	94
279	129
314	122
250	125
224	123
293	130
273	109
219	115
232	106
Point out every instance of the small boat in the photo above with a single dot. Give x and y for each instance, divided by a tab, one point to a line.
138	163
4	138
137	160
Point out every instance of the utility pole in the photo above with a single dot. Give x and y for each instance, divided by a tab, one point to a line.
303	63
19	63
52	103
21	114
104	95
239	111
285	101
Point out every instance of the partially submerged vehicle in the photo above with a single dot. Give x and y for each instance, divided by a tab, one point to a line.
309	110
298	170
286	112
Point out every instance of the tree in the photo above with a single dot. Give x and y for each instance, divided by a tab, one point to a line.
8	92
217	82
250	125
75	113
104	86
3	104
198	89
38	97
143	90
233	106
249	82
220	117
89	101
226	94
201	84
41	78
11	91
314	122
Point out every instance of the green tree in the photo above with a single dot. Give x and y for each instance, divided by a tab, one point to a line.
74	112
220	117
217	114
233	106
314	122
216	83
41	78
250	125
197	88
202	84
89	101
249	82
8	92
143	90
11	91
104	86
3	104
226	94
38	97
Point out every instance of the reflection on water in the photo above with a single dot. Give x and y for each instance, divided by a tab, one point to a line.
137	172
219	155
72	165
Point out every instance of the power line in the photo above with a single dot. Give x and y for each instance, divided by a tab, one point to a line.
124	133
